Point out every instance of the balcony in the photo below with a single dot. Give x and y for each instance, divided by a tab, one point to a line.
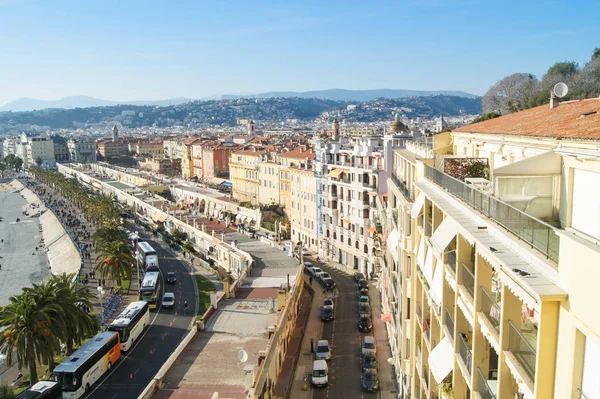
428	228
522	350
483	388
468	280
534	232
419	311
465	352
451	260
449	323
408	193
491	309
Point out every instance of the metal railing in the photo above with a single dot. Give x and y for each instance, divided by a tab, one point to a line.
408	193
522	350
465	352
491	309
485	392
536	233
449	323
468	280
451	260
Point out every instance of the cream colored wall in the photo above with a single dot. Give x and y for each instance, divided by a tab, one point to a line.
304	181
268	183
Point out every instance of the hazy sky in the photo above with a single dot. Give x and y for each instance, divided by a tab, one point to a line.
142	50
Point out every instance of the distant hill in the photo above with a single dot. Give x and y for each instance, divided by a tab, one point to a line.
351	95
30	104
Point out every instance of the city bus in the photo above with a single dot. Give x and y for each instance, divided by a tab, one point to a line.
144	250
130	323
42	390
84	367
150	289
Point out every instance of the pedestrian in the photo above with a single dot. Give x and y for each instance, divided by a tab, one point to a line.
310	280
312	345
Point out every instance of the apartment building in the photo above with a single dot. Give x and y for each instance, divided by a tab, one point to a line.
268	182
108	148
187	160
243	169
173	147
489	283
164	166
61	150
148	148
32	149
81	150
215	159
9	146
303	211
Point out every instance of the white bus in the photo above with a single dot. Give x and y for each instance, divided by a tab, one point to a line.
147	256
84	367
130	323
42	390
150	289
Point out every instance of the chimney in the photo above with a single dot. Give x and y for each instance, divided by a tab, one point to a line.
554	100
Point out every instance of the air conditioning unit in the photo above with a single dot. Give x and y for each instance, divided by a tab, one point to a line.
262	354
271	329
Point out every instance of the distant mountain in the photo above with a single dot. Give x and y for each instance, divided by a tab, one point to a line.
30	104
351	95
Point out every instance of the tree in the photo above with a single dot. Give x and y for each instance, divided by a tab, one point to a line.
6	392
510	94
115	261
107	234
38	161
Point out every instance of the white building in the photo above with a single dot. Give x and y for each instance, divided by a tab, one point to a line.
81	151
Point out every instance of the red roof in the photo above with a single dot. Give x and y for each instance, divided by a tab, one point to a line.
578	119
300	152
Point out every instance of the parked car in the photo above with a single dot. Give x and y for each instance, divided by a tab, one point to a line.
358	277
363	284
324	275
319	275
329	284
328	303
168	300
368	346
319	373
316	271
362	292
365	324
323	352
327	314
363	300
368	363
370	381
171	279
364	310
308	267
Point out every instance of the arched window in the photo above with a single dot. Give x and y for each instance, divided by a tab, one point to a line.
366	249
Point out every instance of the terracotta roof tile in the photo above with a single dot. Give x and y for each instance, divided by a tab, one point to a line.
569	120
299	152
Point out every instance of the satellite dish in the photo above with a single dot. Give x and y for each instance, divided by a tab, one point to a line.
242	356
560	90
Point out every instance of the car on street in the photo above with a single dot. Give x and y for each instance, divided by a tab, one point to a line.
370	381
324	275
171	279
365	324
362	292
329	284
368	346
368	363
328	303
363	300
363	284
315	271
327	314
358	277
308	267
364	310
319	374
168	300
323	352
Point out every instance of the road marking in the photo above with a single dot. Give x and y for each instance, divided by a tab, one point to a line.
115	395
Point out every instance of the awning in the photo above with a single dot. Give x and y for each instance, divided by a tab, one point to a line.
392	240
238	217
441	360
421	252
372	230
216	181
442	236
159	217
347	221
544	164
242	219
418	204
428	268
386	317
437	285
336	173
372	194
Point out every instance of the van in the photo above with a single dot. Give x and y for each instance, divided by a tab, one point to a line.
319	373
323	352
368	346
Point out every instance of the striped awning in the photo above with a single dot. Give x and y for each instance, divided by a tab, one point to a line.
336	173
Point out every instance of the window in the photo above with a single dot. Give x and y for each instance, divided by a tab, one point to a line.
590	385
585	215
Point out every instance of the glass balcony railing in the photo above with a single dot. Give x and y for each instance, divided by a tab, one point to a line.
468	280
449	323
522	350
419	311
408	193
465	352
536	233
451	260
428	229
427	334
485	392
491	309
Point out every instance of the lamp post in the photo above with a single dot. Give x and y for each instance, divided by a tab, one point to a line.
137	261
101	296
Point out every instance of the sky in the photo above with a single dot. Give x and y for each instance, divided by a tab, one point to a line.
151	50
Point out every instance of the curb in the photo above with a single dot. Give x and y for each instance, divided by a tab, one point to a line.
297	357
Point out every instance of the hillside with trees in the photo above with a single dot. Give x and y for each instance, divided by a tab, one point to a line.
521	91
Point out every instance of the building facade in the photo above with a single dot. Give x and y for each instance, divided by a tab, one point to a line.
61	149
82	151
243	169
303	212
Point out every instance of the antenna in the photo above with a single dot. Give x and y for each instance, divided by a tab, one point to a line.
242	356
560	90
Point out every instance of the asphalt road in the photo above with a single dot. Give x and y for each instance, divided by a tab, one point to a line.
135	369
344	340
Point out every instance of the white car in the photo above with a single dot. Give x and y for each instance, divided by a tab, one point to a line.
328	303
323	352
368	346
168	300
308	267
316	271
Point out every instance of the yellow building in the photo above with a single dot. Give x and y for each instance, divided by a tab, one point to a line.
243	170
303	207
187	159
489	285
268	182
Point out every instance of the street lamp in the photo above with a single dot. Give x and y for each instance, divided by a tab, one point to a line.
101	295
137	261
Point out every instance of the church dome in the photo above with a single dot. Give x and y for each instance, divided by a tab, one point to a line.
397	126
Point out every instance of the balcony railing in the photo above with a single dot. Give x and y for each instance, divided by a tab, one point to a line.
449	323
451	260
491	309
408	193
428	228
485	392
465	352
427	334
536	233
419	311
468	280
522	350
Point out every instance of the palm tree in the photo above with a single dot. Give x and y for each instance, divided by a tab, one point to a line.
6	392
107	234
115	260
73	297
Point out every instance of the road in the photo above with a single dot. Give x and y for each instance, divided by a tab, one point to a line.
345	341
136	368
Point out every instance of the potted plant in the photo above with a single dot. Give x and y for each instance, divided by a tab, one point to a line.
446	388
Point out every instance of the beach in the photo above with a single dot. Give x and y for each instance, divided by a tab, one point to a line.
21	264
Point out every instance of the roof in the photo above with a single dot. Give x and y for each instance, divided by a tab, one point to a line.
578	119
300	152
82	354
252	151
